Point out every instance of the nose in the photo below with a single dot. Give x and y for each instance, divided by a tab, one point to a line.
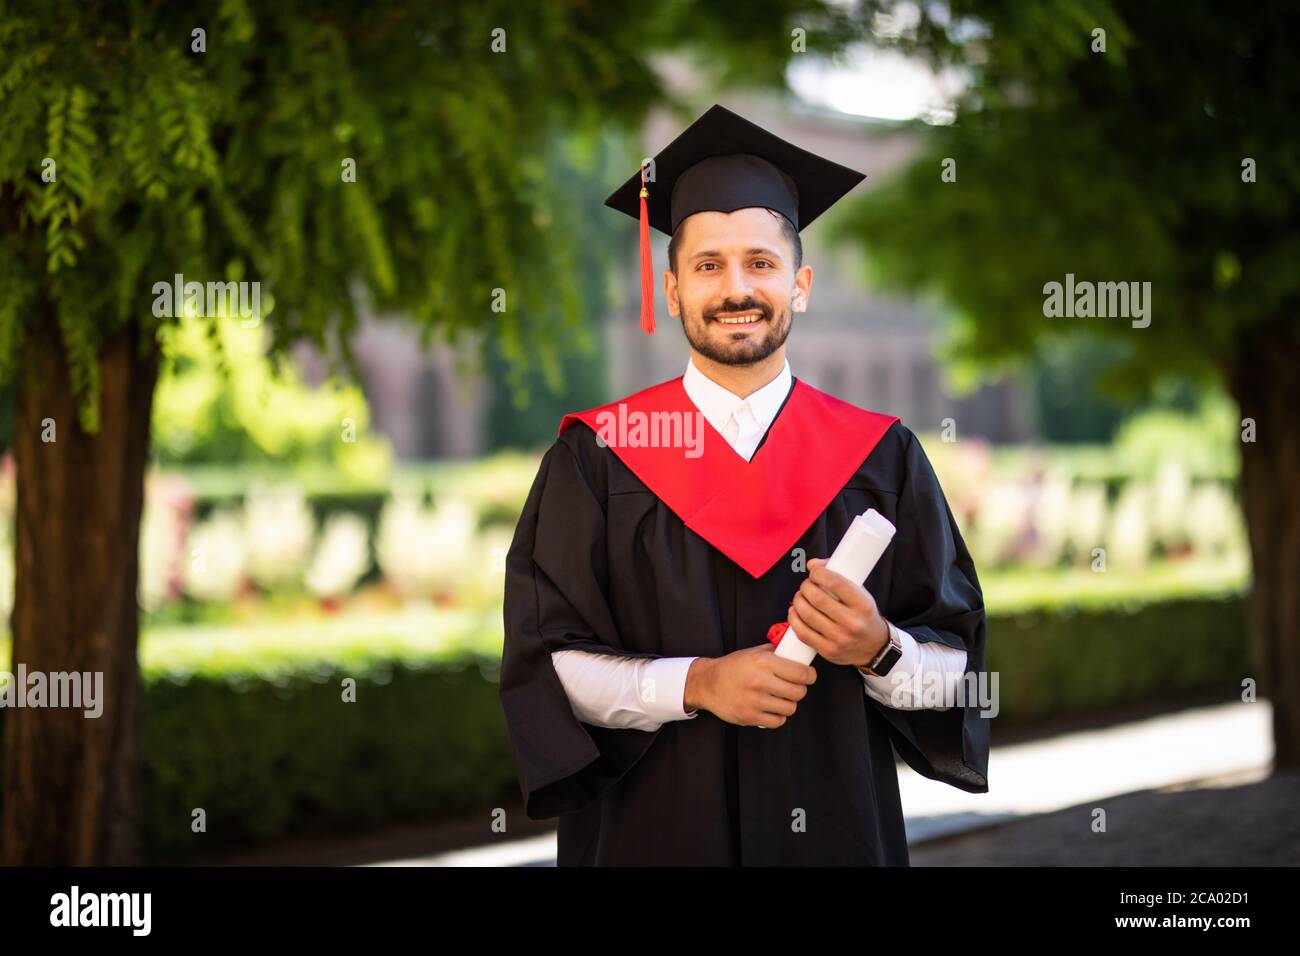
737	286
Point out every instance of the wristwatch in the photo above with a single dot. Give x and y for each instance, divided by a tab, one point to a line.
884	661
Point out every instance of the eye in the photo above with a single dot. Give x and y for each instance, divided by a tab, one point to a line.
763	262
709	265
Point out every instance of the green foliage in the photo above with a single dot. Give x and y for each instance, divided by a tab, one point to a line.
228	162
220	400
1207	440
1118	166
266	758
1077	399
1069	404
1076	661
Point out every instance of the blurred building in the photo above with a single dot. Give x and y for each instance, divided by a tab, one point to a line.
873	350
426	404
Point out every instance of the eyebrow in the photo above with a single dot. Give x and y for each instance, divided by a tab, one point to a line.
756	251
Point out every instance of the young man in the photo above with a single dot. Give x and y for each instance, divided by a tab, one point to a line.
667	532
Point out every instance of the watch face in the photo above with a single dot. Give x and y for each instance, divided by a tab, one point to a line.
892	654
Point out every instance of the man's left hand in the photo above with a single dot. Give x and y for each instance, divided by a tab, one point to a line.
837	617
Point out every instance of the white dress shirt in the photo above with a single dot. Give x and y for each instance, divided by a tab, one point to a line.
742	421
642	693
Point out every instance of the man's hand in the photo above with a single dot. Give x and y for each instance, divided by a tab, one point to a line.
751	687
837	617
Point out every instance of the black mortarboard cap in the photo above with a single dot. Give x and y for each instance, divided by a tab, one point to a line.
723	162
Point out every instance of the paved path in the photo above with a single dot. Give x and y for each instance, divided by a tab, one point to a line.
1244	820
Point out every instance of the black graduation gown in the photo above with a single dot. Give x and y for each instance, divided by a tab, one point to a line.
600	563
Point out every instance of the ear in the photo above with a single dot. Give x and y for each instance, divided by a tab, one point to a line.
803	280
670	294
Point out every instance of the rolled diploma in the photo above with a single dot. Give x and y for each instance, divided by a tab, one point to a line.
855	557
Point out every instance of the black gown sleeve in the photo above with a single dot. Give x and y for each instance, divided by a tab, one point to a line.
556	588
934	595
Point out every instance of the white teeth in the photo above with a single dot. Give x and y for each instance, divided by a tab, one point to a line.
740	320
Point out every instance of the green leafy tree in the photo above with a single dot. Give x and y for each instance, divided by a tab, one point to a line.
1162	149
220	400
400	157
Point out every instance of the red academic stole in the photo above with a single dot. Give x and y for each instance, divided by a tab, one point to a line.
752	511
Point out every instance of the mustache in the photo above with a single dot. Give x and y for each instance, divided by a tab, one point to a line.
746	305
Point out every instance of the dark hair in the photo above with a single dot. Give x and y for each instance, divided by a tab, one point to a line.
788	230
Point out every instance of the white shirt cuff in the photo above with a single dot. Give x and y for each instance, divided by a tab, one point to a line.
663	688
895	688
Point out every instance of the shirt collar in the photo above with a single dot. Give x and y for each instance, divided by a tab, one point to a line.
717	403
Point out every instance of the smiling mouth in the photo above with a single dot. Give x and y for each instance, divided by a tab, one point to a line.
743	318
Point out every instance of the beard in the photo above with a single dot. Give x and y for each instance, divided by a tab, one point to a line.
740	349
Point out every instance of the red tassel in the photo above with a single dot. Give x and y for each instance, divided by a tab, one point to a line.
647	267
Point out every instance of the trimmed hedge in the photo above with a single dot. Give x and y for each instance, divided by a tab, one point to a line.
1074	660
265	758
254	729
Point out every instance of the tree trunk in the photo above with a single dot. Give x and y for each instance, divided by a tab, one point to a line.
1265	380
71	781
